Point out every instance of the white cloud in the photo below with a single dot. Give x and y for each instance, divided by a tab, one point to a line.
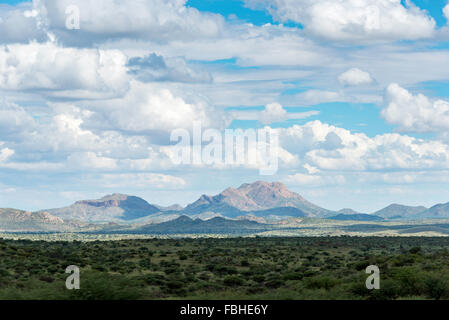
141	180
267	45
157	111
355	77
303	179
316	145
153	67
91	161
446	12
415	113
5	154
14	121
314	97
404	177
50	67
353	20
273	112
103	20
18	25
63	132
310	180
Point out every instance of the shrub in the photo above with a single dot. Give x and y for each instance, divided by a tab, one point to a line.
233	281
101	286
320	282
436	288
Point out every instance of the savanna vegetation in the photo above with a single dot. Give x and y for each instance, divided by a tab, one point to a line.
235	268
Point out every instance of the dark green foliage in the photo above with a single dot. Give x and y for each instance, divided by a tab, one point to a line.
436	287
233	281
234	268
103	286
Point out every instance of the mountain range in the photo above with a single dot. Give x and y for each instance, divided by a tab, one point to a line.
260	199
257	203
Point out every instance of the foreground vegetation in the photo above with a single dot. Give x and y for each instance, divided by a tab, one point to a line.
237	268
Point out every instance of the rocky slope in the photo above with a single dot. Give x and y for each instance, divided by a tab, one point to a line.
12	220
256	197
111	208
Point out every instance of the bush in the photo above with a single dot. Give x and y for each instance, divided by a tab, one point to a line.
292	276
101	286
389	290
409	280
415	250
273	283
436	288
320	282
233	281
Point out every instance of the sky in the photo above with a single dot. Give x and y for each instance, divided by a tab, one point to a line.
357	91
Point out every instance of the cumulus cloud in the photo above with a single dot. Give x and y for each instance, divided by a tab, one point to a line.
154	67
415	113
273	112
349	20
14	121
103	20
49	67
355	77
156	111
329	148
113	134
18	24
5	154
61	133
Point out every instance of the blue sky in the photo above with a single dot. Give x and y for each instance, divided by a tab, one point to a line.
357	92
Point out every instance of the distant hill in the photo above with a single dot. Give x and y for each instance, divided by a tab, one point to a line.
280	212
12	220
256	197
186	225
348	211
437	211
111	208
397	211
356	217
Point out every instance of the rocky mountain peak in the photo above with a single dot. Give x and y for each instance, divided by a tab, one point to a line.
250	197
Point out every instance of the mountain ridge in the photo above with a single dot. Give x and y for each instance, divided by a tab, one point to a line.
398	211
254	197
110	208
